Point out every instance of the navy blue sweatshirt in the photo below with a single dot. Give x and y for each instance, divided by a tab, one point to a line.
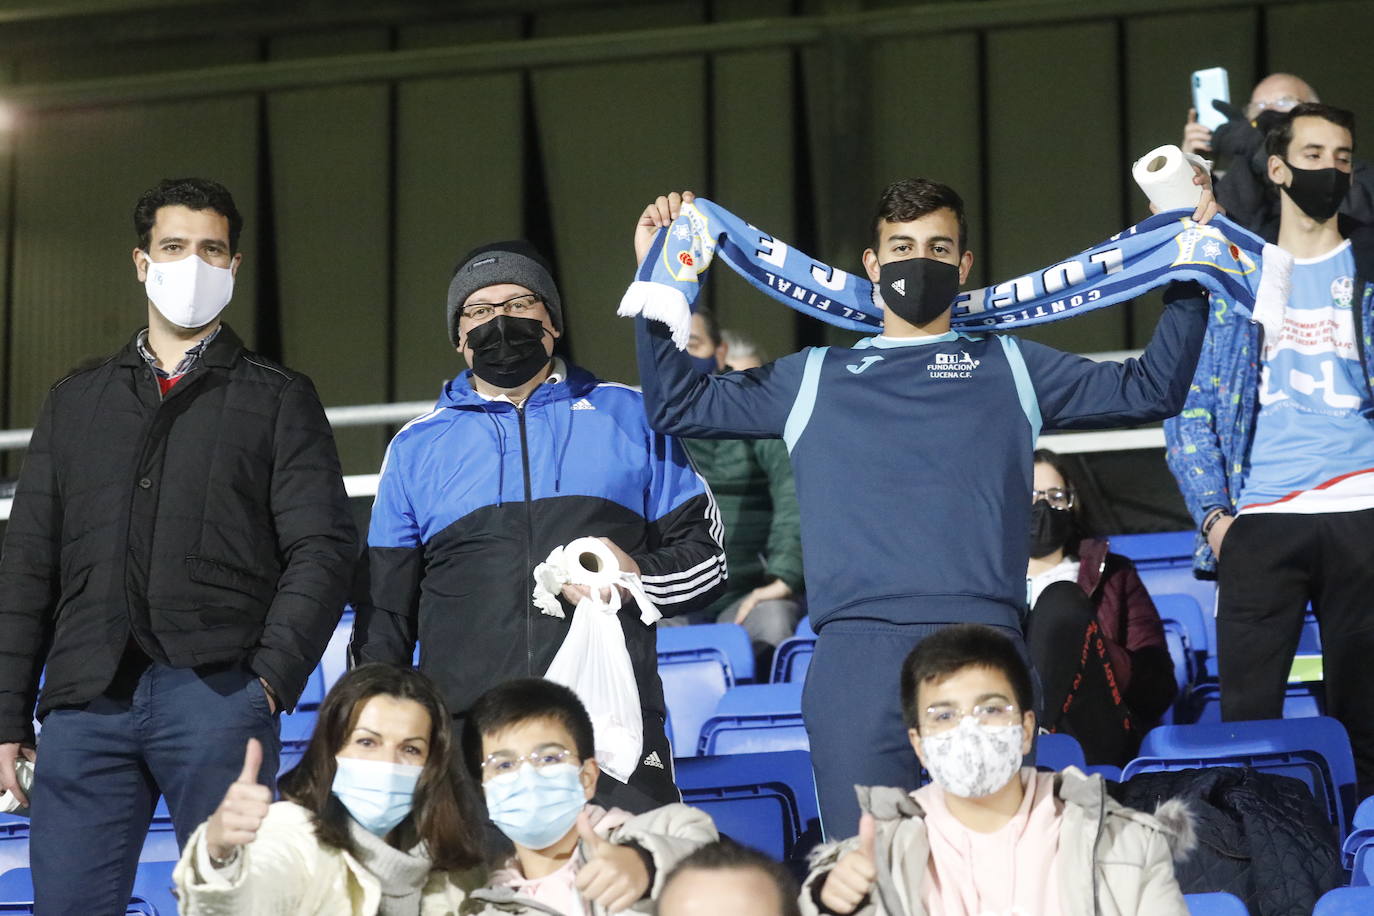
912	456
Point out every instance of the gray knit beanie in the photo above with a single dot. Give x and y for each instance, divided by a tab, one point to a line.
516	262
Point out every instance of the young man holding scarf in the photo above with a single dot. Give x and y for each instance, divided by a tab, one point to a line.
912	457
1274	450
524	453
177	558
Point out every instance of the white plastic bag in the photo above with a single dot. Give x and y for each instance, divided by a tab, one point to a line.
593	659
594	662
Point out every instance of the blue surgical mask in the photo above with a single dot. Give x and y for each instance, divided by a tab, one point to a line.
535	807
377	793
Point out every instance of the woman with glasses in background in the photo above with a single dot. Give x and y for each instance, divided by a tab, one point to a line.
372	820
1093	633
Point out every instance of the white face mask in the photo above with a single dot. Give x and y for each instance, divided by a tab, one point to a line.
972	760
189	293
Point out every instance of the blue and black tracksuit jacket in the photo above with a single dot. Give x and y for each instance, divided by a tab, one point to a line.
476	493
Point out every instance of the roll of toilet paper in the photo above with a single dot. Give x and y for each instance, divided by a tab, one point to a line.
23	770
590	562
1165	174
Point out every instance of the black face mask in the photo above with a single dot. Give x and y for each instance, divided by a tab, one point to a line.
507	351
918	289
1318	192
1049	528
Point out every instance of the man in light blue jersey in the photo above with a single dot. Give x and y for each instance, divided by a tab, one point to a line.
1274	450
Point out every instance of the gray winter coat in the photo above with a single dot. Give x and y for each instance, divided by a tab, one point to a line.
1113	861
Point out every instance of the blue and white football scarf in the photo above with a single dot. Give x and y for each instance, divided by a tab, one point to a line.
1222	256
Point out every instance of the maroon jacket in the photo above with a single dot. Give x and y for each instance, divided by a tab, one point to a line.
1131	629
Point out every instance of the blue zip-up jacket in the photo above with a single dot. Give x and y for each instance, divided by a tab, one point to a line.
912	457
475	494
1208	443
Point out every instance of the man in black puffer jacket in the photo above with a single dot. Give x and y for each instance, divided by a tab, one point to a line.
177	556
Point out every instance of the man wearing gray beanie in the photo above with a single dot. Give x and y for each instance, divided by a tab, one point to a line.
523	453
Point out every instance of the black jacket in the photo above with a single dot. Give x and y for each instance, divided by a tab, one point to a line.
212	526
1260	836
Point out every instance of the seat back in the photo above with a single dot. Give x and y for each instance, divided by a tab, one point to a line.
754	718
693	683
1179	580
1057	751
767	801
1315	750
1156	547
1215	905
729	639
1346	901
791	659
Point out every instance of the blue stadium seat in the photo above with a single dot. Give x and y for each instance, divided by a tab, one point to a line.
792	658
153	884
1187	614
767	801
755	718
1361	832
1315	750
334	662
729	640
1156	547
804	627
1058	751
299	724
14	842
1310	641
1105	770
1346	901
1215	905
1360	846
697	665
160	843
1301	700
1179	580
1177	641
16	896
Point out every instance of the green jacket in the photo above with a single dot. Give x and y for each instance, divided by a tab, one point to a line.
752	483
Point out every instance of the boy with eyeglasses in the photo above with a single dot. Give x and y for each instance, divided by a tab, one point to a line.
529	743
524	453
989	836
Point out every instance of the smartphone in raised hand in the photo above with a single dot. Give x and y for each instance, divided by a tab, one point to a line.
1209	85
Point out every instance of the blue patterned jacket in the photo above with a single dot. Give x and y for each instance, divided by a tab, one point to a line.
1208	443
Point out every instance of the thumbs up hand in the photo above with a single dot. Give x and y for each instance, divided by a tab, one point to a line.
853	877
613	876
236	821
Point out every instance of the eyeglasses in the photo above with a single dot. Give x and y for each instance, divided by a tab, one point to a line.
500	764
1058	497
942	717
519	306
1282	103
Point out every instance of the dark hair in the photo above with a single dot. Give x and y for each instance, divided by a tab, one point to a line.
712	323
726	854
441	816
1277	141
952	649
912	198
522	700
1078	512
194	193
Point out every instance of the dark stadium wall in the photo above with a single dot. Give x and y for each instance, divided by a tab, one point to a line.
558	121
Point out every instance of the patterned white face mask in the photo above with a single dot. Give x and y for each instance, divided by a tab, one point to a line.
972	760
